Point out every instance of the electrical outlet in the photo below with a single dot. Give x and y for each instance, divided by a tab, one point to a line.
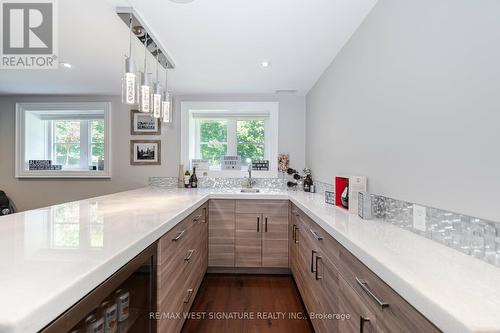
419	216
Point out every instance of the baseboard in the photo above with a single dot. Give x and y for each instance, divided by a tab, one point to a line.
249	270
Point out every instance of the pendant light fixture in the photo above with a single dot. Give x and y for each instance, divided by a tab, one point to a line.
129	79
145	89
157	91
166	105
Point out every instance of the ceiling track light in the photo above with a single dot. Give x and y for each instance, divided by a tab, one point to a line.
141	31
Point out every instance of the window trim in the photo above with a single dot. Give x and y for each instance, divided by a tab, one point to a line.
22	108
231	109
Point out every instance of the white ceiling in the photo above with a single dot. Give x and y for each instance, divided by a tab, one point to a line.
217	45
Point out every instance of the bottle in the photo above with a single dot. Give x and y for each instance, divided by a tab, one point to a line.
180	176
193	181
186	179
308	182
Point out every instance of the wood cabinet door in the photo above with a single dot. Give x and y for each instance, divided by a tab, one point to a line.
221	227
275	241
293	239
327	276
248	240
350	303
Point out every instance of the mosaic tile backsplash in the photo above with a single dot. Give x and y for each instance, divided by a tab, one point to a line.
470	235
473	236
213	182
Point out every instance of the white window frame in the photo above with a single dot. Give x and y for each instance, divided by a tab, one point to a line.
237	110
20	169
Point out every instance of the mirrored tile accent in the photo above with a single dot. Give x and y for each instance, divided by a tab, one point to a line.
470	235
213	182
168	182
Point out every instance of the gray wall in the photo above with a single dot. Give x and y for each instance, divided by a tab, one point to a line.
29	194
413	102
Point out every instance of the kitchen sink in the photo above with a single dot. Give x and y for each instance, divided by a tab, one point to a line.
250	190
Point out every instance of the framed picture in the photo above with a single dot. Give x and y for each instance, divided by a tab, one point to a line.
145	152
144	124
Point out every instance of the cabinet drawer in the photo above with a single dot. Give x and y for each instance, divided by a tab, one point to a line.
266	207
199	215
394	313
173	244
328	246
360	318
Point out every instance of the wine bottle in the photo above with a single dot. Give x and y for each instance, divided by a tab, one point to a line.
193	180
187	177
307	183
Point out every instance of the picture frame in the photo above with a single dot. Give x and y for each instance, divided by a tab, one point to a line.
142	123
145	152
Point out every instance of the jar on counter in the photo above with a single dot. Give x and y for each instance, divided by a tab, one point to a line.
94	323
122	298
109	312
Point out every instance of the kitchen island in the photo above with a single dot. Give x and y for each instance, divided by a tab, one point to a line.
52	257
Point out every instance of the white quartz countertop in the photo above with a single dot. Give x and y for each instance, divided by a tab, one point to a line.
51	257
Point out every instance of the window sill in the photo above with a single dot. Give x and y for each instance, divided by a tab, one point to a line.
64	174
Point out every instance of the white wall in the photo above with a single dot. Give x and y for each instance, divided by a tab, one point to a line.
28	194
413	102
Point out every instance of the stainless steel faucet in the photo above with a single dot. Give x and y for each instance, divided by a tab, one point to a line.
251	182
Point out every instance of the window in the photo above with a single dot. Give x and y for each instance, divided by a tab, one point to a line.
63	140
212	130
77	143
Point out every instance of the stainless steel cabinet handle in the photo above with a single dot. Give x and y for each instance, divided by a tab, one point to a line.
313	252
179	236
296	235
258	224
204	214
362	321
197	218
266	224
294	228
315	234
367	290
190	254
318	277
189	293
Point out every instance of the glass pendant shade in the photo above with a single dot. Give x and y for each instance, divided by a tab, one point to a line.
157	102
145	94
129	83
166	108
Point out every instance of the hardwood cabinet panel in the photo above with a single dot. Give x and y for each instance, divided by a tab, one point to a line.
248	240
183	253
221	205
396	315
327	276
275	241
360	318
221	233
265	207
347	286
